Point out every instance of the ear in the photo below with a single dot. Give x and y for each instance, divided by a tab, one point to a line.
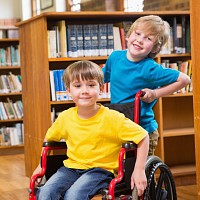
68	92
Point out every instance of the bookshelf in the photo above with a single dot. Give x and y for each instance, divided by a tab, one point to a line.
38	105
9	69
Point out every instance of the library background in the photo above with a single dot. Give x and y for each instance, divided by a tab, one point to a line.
31	90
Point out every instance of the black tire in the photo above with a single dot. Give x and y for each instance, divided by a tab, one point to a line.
160	182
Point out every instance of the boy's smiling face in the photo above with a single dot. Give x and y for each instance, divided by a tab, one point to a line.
84	92
140	43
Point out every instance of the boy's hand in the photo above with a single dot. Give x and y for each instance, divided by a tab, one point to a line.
149	96
37	171
139	180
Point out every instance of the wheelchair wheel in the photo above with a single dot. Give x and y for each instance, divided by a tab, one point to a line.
160	185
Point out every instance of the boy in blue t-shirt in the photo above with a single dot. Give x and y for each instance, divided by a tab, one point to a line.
134	69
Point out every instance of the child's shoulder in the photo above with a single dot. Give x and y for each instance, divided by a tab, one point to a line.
118	53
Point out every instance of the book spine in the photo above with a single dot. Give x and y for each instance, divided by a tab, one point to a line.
80	49
52	85
72	41
103	40
57	89
87	40
110	40
62	90
94	40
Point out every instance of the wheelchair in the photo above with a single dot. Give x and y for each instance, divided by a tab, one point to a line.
160	182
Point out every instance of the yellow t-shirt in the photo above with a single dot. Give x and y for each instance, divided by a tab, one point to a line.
94	142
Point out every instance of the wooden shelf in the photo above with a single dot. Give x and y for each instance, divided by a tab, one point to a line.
180	170
11	150
11	94
178	132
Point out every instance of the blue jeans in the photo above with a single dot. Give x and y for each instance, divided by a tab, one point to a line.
74	184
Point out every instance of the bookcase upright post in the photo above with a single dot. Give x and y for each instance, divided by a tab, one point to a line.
195	28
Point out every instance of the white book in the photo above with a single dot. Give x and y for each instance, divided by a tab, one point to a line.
52	85
117	38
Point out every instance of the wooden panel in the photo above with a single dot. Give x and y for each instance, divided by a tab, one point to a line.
36	94
195	29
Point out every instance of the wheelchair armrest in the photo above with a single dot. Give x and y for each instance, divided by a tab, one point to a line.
129	145
53	144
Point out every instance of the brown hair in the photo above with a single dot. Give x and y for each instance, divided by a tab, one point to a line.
155	26
85	70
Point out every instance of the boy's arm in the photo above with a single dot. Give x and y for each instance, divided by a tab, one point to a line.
151	95
138	177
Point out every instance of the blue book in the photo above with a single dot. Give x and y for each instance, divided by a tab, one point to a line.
95	39
72	41
79	36
62	90
110	40
87	40
103	40
56	83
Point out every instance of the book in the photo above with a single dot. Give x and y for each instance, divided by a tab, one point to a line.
122	36
52	85
52	43
62	90
3	111
79	36
103	40
57	89
94	39
183	24
63	38
72	41
110	39
87	42
117	38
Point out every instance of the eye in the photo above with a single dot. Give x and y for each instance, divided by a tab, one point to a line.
92	85
77	85
137	33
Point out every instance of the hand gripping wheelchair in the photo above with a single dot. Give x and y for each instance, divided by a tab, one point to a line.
160	183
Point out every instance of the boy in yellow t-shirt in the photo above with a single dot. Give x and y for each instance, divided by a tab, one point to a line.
94	135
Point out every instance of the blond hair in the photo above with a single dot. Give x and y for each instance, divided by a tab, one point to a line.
153	25
85	70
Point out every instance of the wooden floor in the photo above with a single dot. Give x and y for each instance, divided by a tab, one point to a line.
14	185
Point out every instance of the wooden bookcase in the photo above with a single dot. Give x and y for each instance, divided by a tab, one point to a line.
174	113
4	70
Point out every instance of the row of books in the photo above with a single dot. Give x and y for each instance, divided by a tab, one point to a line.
183	66
10	136
10	56
179	39
10	83
81	40
78	40
11	110
9	33
8	23
8	28
58	90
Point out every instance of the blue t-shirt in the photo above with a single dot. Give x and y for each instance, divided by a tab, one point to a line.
127	78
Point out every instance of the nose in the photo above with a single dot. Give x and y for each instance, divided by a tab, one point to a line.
140	38
84	89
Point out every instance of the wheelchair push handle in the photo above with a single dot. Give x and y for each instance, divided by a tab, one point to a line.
137	107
